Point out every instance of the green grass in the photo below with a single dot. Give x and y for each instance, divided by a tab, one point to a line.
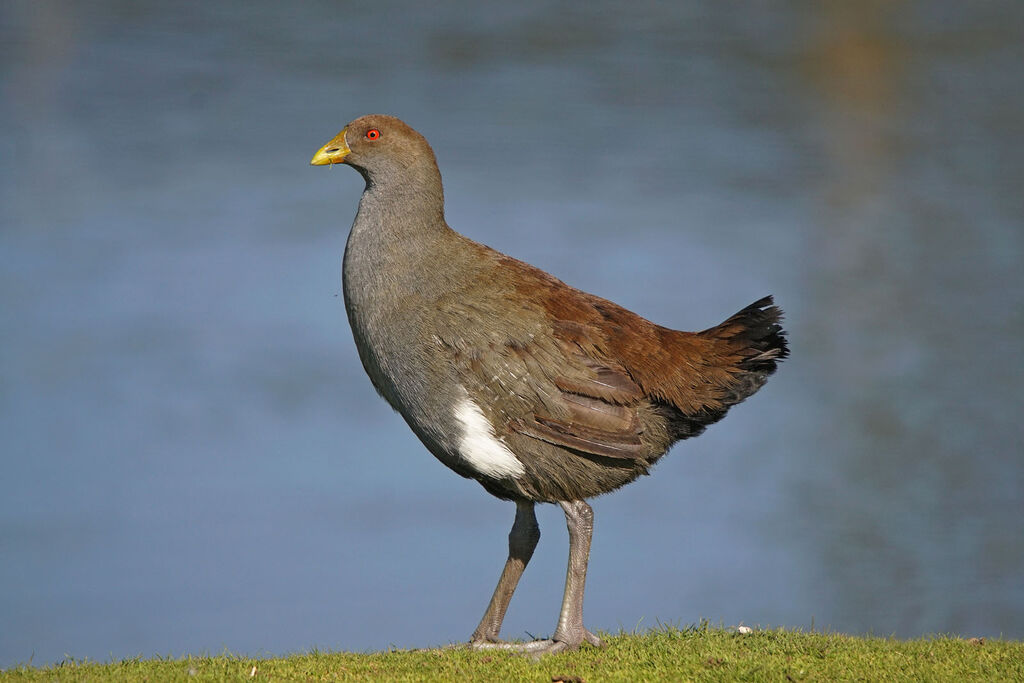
664	654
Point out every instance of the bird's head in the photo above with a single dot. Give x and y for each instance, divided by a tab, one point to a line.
379	147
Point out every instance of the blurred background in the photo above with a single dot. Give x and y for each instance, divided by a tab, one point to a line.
193	460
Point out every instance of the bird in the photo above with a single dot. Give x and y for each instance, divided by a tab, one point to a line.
540	392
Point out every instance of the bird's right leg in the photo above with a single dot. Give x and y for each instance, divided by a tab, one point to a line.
521	542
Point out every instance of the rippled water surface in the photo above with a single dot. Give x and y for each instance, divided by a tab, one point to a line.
193	459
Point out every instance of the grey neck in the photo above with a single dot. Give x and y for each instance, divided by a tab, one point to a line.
398	233
400	211
402	202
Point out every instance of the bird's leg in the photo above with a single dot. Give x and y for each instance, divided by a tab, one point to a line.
570	632
579	518
521	542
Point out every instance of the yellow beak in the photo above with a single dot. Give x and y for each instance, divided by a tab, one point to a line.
334	152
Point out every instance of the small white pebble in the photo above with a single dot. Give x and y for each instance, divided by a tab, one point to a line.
744	629
252	674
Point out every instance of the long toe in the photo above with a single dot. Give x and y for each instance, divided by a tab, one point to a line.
576	636
476	643
534	648
539	648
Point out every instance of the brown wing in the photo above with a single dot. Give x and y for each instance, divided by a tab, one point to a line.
595	403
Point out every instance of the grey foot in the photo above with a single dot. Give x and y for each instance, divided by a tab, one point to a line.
538	648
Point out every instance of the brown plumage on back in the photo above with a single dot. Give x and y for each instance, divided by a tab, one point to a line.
539	391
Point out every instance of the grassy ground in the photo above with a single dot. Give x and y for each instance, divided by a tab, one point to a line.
667	654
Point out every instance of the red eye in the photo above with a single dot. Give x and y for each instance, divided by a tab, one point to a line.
372	134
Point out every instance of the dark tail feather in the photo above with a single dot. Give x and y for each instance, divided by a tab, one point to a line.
757	328
756	335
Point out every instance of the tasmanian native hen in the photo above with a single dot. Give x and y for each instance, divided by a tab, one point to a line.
540	392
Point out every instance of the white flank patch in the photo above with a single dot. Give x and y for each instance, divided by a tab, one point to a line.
481	449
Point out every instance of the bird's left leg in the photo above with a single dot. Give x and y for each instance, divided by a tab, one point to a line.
521	542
